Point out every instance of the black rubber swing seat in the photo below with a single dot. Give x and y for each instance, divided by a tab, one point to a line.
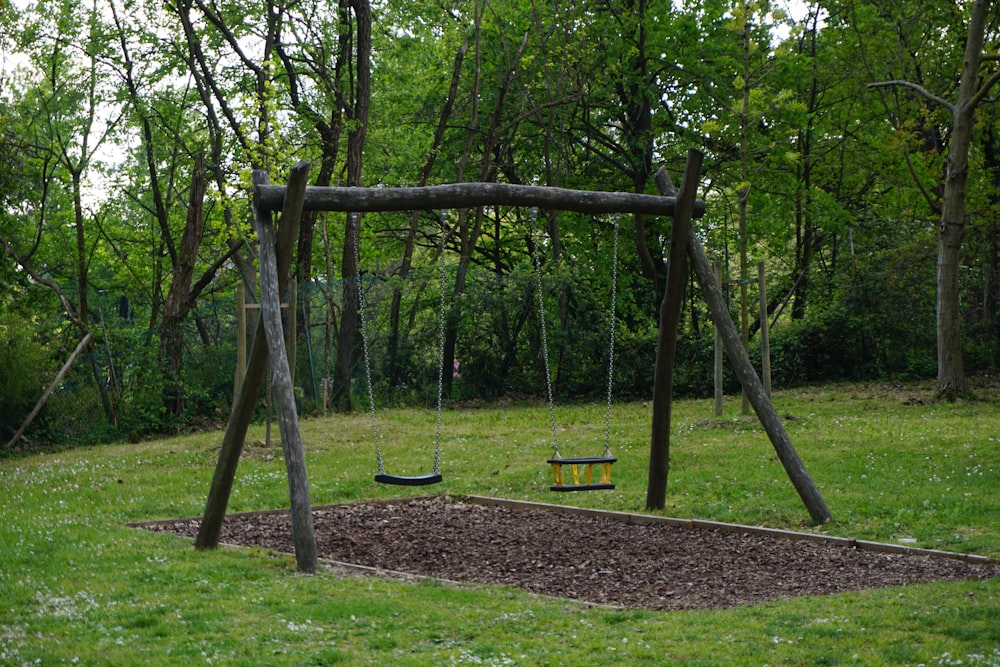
411	480
604	463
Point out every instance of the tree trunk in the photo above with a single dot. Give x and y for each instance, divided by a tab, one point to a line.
349	318
349	323
178	303
743	192
951	381
804	226
991	290
82	289
411	235
991	247
469	236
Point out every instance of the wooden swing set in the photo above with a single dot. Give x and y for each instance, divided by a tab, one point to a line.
276	246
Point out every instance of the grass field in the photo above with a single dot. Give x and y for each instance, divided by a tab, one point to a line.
78	586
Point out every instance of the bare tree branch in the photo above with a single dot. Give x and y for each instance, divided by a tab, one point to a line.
980	95
71	312
923	92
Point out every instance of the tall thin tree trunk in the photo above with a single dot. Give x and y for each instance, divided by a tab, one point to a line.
952	382
411	235
991	289
744	193
178	303
804	227
347	340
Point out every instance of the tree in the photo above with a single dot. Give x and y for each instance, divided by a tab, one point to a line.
184	288
357	110
974	87
67	127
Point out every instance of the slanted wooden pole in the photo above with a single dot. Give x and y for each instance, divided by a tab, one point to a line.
303	536
670	315
246	399
752	386
52	388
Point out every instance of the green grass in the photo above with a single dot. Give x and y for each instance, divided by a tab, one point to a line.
78	586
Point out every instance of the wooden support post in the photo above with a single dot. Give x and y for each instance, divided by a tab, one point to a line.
241	338
765	340
719	356
303	536
752	386
241	342
210	528
670	312
292	325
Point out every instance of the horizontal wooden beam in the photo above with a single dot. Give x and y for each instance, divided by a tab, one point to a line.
469	195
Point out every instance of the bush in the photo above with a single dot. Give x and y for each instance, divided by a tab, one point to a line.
26	369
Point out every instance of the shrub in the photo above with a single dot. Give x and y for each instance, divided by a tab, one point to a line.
26	368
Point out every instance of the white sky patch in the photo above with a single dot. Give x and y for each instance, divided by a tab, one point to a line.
797	12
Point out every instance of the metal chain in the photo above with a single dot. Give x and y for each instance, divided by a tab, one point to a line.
545	343
611	342
355	228
437	432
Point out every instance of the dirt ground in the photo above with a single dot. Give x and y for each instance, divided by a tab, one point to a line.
593	559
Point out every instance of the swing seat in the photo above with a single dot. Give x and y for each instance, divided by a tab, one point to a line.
588	484
413	480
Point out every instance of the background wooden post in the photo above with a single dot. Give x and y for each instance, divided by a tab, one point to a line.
765	339
719	356
241	338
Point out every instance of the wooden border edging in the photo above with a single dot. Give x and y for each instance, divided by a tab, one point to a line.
633	518
624	517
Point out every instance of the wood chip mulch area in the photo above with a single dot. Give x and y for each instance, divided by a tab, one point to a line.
592	559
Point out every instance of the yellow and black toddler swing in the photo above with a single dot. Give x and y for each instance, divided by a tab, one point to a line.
586	463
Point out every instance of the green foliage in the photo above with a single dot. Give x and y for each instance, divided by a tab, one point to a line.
842	181
831	345
874	324
26	369
74	416
208	378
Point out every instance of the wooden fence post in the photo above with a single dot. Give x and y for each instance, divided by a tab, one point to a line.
719	356
241	338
